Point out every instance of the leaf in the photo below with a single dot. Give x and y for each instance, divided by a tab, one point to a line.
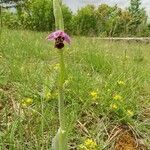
59	141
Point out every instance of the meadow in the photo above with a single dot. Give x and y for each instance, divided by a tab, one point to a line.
107	91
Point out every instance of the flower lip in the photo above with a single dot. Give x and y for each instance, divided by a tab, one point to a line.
57	34
59	45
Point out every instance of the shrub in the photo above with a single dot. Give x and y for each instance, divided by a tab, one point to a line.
10	20
88	21
38	15
85	21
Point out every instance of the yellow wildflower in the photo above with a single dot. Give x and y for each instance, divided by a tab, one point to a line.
90	144
113	106
130	112
94	95
121	82
117	97
27	102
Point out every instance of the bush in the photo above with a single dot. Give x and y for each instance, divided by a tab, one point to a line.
85	21
88	21
38	15
10	20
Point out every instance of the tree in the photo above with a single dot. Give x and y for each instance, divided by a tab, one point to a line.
123	23
36	14
138	15
102	16
107	19
85	21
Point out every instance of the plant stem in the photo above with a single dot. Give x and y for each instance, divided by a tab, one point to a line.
61	103
59	23
61	143
61	92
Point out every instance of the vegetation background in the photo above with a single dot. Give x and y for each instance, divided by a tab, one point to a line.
107	88
90	21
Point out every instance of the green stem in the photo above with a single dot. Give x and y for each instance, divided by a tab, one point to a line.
59	23
61	107
60	137
61	91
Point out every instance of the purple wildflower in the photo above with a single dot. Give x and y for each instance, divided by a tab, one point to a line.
59	36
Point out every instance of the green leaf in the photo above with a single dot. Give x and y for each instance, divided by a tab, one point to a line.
59	141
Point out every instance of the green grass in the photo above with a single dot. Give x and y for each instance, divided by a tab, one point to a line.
28	69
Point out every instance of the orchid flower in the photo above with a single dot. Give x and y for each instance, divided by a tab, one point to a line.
59	36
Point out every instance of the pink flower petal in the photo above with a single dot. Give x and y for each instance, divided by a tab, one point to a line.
50	37
58	33
67	38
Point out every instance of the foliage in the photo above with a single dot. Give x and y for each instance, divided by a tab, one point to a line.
104	19
38	15
91	21
42	18
85	21
138	15
10	20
